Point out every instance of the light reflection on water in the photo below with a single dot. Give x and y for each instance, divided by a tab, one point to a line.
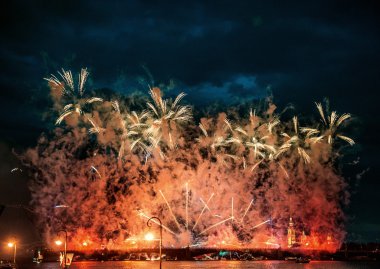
213	265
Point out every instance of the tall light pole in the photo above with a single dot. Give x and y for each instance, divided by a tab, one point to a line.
13	244
149	224
59	242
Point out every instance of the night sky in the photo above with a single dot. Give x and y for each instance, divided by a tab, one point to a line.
216	51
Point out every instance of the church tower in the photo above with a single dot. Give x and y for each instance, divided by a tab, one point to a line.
291	233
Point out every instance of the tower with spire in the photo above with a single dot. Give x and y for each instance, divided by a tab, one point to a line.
291	233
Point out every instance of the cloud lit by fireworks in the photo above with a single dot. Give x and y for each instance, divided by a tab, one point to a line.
236	181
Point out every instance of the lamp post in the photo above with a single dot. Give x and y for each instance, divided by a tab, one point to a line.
149	224
13	244
59	242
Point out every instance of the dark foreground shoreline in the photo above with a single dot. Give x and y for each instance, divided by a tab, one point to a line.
205	254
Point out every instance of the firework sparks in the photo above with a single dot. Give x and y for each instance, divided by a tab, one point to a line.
232	208
167	118
187	205
61	206
16	169
332	124
96	171
298	143
78	102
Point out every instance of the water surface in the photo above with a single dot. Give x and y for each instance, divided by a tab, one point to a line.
210	265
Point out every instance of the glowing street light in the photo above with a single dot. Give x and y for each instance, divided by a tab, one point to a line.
13	245
150	236
59	243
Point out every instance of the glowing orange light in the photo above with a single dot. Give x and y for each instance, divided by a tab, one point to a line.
149	236
10	244
58	242
85	244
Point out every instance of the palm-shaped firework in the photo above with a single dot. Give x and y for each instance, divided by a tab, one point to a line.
167	116
74	92
300	141
332	124
130	130
254	139
215	141
214	137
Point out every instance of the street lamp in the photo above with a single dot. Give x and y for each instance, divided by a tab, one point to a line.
13	244
149	225
59	243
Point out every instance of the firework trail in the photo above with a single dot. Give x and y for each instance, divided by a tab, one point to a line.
262	223
96	171
246	211
170	210
203	209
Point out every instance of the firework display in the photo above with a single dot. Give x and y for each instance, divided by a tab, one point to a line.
225	181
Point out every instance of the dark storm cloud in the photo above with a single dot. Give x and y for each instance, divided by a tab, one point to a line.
231	90
303	51
195	43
